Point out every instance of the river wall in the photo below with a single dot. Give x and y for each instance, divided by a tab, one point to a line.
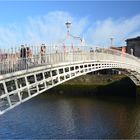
98	85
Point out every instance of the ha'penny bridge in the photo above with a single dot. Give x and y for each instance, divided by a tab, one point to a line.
27	71
22	78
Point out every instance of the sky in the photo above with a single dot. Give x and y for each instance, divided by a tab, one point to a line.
35	22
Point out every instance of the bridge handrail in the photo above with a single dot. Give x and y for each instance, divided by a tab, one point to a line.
15	63
116	52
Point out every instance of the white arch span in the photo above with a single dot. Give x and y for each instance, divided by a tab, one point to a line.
20	86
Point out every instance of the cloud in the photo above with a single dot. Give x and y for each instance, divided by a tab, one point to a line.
41	29
119	29
50	29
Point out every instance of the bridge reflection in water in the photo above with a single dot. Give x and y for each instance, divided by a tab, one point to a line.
27	73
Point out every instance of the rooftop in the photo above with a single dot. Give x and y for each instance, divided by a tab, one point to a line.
133	39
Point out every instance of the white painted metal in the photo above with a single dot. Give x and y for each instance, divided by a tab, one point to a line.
20	84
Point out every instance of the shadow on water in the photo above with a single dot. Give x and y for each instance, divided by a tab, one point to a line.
124	88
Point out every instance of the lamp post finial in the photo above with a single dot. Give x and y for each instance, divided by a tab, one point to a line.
68	24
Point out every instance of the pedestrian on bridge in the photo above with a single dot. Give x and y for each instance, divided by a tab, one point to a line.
43	53
29	55
23	56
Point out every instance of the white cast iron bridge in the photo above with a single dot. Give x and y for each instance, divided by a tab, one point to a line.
22	78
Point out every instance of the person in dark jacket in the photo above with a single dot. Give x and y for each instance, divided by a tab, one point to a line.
23	56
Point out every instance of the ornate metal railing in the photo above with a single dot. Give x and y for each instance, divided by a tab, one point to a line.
13	60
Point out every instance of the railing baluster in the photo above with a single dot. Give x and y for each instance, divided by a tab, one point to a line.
12	60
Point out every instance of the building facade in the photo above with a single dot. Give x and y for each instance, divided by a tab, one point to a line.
133	46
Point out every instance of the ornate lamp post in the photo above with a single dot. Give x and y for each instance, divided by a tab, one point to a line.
111	41
68	24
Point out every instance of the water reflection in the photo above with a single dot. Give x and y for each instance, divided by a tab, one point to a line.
66	119
49	116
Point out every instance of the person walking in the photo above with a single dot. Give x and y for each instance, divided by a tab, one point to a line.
29	55
23	56
43	53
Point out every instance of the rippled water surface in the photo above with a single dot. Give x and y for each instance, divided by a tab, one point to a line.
59	116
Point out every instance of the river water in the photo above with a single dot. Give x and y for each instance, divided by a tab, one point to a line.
59	116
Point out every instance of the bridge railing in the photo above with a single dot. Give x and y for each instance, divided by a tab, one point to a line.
29	57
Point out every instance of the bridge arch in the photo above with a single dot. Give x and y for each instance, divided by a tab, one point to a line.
20	86
26	85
